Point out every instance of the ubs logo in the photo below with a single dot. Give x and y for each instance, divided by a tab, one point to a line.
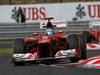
18	15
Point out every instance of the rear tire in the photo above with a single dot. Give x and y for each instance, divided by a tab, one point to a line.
87	36
82	47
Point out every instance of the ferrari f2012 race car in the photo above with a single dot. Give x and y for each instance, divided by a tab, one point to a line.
47	47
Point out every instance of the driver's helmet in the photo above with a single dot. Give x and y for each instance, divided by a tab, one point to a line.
49	31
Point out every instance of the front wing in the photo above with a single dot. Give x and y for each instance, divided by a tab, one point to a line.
34	57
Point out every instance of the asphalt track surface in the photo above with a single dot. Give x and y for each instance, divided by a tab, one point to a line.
7	68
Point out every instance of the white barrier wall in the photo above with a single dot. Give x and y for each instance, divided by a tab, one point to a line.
81	11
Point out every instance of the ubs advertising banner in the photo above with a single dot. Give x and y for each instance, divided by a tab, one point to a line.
81	11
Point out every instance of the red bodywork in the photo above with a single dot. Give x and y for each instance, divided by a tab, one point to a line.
45	45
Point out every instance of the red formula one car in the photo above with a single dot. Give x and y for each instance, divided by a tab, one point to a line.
49	47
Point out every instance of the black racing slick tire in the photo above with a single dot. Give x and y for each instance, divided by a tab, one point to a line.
73	43
82	46
76	41
87	36
19	63
18	46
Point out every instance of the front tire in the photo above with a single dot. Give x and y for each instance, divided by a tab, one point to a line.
77	41
18	48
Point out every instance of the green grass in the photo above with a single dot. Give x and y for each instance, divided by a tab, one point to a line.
6	50
6	40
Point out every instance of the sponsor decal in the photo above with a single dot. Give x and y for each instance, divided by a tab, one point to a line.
93	46
31	56
56	24
66	53
20	14
35	13
18	55
80	13
91	11
94	11
27	56
14	14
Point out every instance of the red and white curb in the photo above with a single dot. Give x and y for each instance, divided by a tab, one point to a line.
93	62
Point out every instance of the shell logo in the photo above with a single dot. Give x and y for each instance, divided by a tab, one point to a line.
17	55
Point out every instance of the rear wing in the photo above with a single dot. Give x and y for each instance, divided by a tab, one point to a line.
56	24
